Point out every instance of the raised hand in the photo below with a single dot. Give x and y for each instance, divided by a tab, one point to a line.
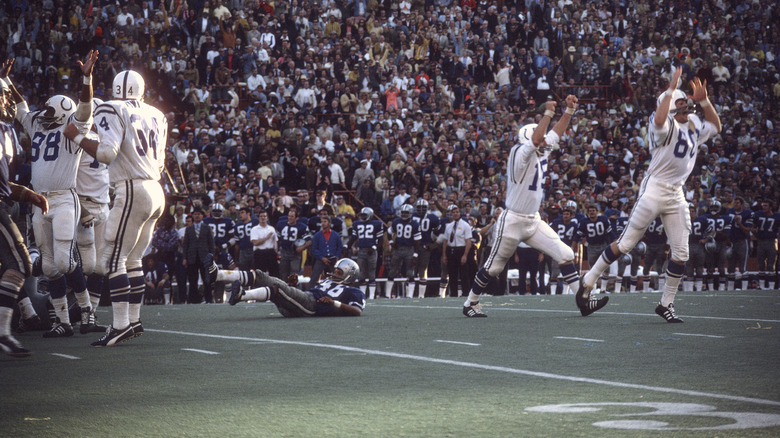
5	67
550	105
699	89
675	82
91	59
571	101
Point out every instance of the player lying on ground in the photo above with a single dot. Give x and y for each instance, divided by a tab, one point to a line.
334	296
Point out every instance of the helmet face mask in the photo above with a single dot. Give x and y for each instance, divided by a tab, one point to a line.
217	210
421	207
58	109
714	208
7	109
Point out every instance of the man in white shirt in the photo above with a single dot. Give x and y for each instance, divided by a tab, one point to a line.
265	245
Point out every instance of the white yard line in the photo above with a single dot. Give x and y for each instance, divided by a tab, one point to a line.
457	342
473	365
579	339
696	334
66	356
195	350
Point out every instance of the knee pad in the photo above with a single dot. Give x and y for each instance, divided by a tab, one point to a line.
679	252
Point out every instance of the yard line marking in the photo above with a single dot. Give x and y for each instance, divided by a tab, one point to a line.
601	312
485	367
66	356
579	339
457	342
696	334
199	351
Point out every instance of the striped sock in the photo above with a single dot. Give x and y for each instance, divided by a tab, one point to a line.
674	274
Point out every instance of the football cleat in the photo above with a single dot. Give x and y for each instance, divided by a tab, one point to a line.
474	311
667	313
10	346
30	324
586	303
138	329
60	330
236	294
114	336
91	324
37	269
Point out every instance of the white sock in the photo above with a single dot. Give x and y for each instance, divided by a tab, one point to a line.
5	320
94	301
83	299
389	288
688	286
698	285
166	298
134	312
372	291
121	311
618	285
670	290
228	275
61	309
25	305
258	294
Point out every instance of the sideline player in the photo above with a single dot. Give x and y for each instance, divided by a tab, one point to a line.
520	221
133	136
334	296
55	163
367	233
15	264
675	137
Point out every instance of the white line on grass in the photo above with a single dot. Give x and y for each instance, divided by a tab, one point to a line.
579	339
457	342
601	312
66	356
195	350
696	334
485	367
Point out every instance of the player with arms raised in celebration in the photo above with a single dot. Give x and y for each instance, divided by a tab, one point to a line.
132	142
55	163
675	137
520	221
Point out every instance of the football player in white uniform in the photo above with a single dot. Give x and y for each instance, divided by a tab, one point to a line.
15	265
55	161
92	189
520	221
675	137
132	142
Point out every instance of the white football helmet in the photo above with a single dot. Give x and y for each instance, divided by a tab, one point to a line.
349	271
96	101
714	207
526	132
217	210
676	95
421	207
711	247
7	107
128	85
641	248
58	109
572	204
626	259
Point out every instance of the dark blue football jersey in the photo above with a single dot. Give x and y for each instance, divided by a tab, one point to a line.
428	226
598	232
338	292
655	233
566	232
719	224
223	229
289	234
767	226
747	217
243	233
700	228
405	233
367	233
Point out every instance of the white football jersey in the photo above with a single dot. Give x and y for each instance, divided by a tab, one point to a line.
525	174
136	134
54	158
92	179
674	147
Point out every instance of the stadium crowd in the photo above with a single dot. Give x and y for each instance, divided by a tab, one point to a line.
339	105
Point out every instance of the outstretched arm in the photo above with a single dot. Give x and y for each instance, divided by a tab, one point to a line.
84	108
662	113
563	122
541	129
700	96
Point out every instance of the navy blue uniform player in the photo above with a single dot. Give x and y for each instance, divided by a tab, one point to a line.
406	236
717	254
694	268
596	231
243	229
655	238
294	238
565	226
767	226
367	233
223	228
428	223
739	232
334	296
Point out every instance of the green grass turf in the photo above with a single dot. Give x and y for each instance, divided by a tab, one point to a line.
412	368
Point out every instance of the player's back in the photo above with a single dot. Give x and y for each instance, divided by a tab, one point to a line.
138	132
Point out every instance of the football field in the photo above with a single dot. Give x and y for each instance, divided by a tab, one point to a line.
411	367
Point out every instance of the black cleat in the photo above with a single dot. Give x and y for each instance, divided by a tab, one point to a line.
474	311
10	346
114	336
667	313
236	293
60	330
89	322
30	324
212	268
138	329
586	303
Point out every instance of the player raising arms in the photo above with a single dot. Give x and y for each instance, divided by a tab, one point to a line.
675	137
132	142
55	162
520	222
